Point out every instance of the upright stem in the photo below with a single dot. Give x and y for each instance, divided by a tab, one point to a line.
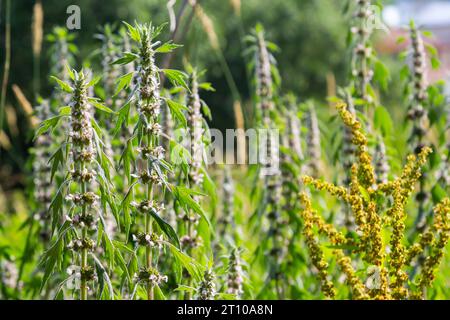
84	264
175	37
84	252
148	249
7	60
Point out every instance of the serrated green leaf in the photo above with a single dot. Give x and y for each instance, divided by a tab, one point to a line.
47	125
168	47
127	58
124	82
166	228
94	81
56	159
53	255
102	274
183	195
63	85
65	111
176	111
192	266
176	77
132	32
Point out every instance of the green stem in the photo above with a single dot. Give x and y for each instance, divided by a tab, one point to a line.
148	250
26	255
148	224
84	253
228	75
84	265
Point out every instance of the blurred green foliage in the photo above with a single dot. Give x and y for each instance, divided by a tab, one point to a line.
310	34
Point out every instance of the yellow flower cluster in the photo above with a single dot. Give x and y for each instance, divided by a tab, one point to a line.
391	257
441	230
366	172
315	251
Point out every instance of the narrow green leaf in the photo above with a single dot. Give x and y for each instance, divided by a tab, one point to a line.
383	120
166	228
159	295
100	106
206	86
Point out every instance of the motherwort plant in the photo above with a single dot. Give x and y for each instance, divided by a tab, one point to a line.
198	134
313	148
85	183
196	148
362	55
266	80
418	113
226	223
235	274
195	238
150	178
43	187
348	148
207	287
151	168
377	228
380	162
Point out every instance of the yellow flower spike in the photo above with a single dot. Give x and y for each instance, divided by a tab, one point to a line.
358	288
324	228
398	252
354	183
441	228
339	192
311	218
426	239
362	196
316	253
386	187
366	172
413	170
376	253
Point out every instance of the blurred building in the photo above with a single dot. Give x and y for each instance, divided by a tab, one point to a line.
428	15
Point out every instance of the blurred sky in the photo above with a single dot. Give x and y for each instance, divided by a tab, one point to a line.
430	15
427	13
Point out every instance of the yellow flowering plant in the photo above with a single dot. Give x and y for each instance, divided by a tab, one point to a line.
379	244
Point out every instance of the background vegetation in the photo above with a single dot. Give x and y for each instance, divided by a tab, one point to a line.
312	58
